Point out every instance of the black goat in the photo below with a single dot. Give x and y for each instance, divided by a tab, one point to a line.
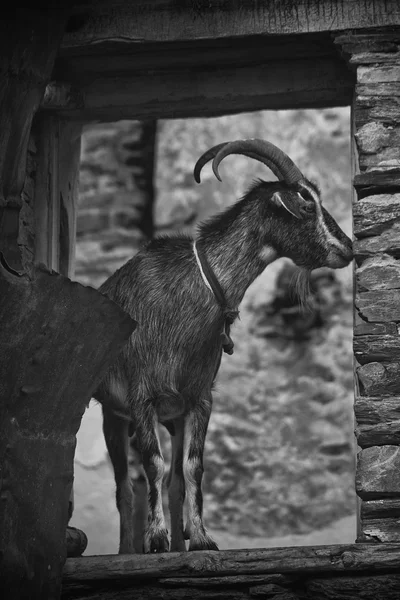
184	296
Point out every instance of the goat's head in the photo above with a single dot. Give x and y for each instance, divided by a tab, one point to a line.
296	224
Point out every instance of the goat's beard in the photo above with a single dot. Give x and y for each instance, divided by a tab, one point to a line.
301	287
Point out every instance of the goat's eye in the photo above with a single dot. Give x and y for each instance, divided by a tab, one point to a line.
309	207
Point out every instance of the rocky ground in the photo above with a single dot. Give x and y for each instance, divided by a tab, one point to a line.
280	451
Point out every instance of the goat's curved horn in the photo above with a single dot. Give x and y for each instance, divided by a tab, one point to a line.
266	152
205	158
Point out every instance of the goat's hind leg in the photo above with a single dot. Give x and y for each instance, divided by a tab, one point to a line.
196	423
116	431
156	534
176	488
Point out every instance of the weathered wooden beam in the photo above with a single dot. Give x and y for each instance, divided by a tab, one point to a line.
57	339
168	21
208	91
294	560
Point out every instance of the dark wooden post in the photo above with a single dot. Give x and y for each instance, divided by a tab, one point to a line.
376	117
56	337
29	39
56	145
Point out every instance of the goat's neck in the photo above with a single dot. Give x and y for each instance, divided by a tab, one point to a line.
236	261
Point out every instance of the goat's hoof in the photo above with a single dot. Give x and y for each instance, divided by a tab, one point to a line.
202	543
157	543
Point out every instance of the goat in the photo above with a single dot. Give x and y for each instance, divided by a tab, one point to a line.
185	296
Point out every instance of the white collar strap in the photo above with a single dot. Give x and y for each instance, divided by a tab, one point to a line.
200	267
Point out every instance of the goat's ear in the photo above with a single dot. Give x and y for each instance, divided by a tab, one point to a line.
290	204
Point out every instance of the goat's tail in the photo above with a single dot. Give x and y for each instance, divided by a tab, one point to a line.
169	405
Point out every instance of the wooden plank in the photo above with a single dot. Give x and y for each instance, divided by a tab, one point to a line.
121	57
378	472
378	421
142	22
377	379
295	560
210	91
57	339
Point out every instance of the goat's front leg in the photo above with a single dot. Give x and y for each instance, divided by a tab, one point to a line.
196	423
156	534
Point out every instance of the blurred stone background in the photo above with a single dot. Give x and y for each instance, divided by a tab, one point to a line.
280	453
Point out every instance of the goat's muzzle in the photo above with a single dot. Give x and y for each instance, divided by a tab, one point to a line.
337	259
